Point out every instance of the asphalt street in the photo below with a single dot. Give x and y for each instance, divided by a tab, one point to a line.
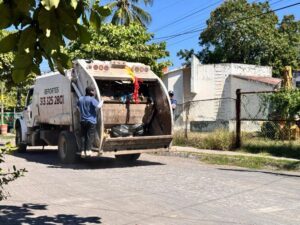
154	190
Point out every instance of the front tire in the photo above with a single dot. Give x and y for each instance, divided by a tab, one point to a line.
67	147
128	158
21	147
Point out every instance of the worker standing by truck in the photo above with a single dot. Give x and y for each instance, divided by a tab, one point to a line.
88	106
173	101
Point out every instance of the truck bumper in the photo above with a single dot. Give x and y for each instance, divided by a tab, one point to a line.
132	145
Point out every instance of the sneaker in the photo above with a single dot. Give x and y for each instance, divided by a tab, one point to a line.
83	154
89	152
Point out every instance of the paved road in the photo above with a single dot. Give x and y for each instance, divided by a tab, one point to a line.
155	190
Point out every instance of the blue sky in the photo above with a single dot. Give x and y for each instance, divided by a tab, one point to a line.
165	13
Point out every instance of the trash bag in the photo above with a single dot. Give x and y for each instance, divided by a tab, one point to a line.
127	130
137	129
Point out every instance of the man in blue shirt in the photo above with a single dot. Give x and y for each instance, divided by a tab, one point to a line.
88	119
173	101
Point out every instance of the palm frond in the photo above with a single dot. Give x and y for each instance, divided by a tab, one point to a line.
143	16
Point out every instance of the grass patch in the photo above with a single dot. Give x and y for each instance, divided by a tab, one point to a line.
252	162
7	137
217	140
287	149
224	140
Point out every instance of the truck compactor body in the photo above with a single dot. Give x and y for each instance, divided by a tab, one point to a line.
126	126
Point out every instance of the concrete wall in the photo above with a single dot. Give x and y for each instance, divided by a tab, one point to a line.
214	82
212	90
251	103
174	82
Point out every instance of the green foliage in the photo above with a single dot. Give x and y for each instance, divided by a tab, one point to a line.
254	162
283	105
42	28
10	99
115	42
6	60
186	55
270	130
271	147
7	176
243	32
217	140
126	12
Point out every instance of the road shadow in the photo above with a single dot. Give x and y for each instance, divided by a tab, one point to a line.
25	214
50	157
261	171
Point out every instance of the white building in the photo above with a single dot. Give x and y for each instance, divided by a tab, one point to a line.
211	89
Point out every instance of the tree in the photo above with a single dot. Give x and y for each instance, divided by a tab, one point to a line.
6	61
115	42
186	55
42	28
127	11
242	32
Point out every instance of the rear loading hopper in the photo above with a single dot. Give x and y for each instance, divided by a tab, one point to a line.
127	125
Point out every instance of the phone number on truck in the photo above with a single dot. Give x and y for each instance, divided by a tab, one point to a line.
52	100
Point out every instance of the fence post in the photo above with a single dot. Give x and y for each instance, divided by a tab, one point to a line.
187	112
238	118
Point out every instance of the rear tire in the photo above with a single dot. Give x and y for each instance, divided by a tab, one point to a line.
128	158
21	147
67	147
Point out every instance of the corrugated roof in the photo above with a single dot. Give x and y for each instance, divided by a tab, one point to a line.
267	80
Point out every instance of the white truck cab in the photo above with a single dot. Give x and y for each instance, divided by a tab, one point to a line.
51	116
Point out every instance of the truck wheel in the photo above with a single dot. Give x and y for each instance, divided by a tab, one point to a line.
128	158
21	147
67	147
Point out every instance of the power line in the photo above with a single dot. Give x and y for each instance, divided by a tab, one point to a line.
274	3
177	42
238	20
188	28
187	16
193	36
168	6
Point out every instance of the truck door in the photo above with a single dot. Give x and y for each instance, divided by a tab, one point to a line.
28	108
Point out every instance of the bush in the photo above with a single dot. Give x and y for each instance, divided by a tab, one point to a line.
277	131
217	140
10	175
270	130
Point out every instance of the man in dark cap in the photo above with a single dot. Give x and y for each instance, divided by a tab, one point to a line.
88	119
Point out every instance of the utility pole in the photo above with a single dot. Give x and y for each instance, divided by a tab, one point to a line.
2	104
238	119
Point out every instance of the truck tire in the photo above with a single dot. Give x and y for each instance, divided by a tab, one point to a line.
21	147
128	158
67	147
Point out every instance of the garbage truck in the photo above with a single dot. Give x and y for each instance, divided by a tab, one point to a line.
136	116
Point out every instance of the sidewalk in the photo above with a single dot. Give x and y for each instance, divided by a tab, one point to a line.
179	149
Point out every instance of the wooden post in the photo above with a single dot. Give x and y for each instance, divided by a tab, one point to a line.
187	112
2	104
238	118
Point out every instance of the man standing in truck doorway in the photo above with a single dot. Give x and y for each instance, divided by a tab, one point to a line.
173	101
88	106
